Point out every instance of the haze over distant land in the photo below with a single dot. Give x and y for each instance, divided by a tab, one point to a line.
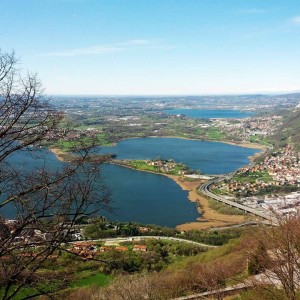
134	47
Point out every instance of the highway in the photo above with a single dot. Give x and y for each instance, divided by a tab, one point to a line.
205	190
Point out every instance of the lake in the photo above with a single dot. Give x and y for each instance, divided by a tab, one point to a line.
207	157
151	198
147	198
208	113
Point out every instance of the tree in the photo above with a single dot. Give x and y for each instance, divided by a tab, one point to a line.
275	254
45	203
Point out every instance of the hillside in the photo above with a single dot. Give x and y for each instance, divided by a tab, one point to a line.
289	131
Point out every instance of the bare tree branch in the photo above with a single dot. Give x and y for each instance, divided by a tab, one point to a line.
46	203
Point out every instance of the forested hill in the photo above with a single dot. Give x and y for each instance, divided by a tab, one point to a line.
289	132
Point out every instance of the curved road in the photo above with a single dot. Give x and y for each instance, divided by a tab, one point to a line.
132	238
205	190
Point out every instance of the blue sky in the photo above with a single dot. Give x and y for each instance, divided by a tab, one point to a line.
156	47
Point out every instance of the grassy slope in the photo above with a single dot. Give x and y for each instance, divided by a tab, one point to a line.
185	276
289	132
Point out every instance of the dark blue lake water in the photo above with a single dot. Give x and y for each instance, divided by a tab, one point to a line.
207	157
208	113
145	197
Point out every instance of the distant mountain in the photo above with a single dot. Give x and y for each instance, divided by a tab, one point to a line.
295	95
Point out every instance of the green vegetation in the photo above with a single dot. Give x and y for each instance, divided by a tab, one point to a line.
42	288
214	237
68	271
102	140
215	134
211	255
218	268
205	271
266	293
86	141
115	126
251	177
157	166
259	139
142	165
104	229
98	279
69	145
278	189
221	191
289	131
224	209
99	228
160	253
110	124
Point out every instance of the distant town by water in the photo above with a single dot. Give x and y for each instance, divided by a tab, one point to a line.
209	113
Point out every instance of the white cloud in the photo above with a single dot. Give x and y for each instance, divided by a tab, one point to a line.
296	20
251	11
138	42
85	51
112	48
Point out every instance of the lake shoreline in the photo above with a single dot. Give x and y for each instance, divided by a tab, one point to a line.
208	218
248	145
240	144
59	154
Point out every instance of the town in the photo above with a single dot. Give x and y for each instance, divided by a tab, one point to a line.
109	120
272	185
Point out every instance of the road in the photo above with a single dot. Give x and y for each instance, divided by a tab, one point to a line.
205	190
221	291
263	279
135	238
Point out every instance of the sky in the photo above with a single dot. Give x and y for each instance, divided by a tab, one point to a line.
156	47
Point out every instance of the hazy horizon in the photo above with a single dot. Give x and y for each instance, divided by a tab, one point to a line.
177	95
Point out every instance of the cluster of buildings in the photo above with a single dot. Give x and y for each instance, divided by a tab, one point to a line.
159	165
279	171
71	135
165	166
136	248
280	205
88	250
284	167
246	128
34	235
246	189
284	204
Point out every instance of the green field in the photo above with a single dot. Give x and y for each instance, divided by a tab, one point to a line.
98	279
252	177
224	208
146	166
215	134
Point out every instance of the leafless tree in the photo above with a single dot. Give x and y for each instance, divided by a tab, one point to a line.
45	201
275	256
